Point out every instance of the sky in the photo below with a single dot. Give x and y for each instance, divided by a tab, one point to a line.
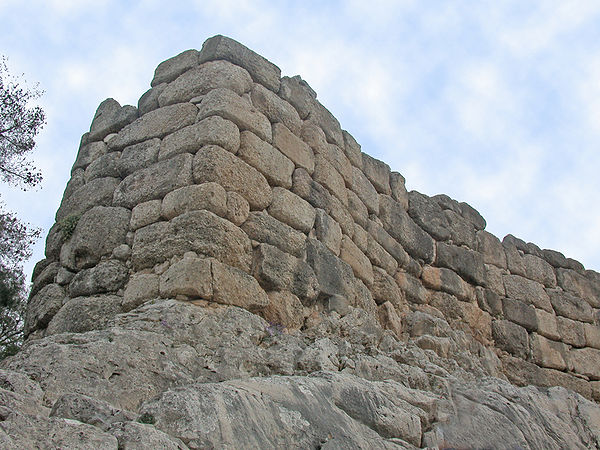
492	103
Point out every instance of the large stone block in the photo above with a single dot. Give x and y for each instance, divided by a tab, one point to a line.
579	286
363	188
145	213
547	353
586	361
261	70
299	94
200	231
213	130
110	117
514	258
539	270
401	227
547	324
210	196
155	181
231	286
398	188
388	243
43	306
191	277
157	123
227	104
519	312
334	275
284	309
89	152
360	264
238	208
97	233
275	108
491	248
340	214
98	192
274	165
212	163
357	209
107	276
293	147
571	332
378	173
570	306
442	279
138	156
279	271
511	337
261	227
389	318
289	208
149	99
385	289
140	288
592	335
527	291
467	263
428	215
328	231
315	137
311	191
102	167
173	67
202	79
82	314
326	175
462	232
379	257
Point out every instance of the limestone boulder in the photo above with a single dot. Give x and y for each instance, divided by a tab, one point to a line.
511	337
261	227
140	288
210	196
231	286
293	147
274	165
467	263
284	309
110	117
98	192
88	152
298	93
275	108
238	208
43	306
428	215
579	286
527	291
145	213
363	188
568	305
107	276
293	210
173	67
138	156
81	314
191	277
334	275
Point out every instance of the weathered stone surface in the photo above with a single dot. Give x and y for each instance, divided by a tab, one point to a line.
360	264
210	196
586	361
98	192
568	305
298	93
379	257
428	215
110	117
88	153
261	227
212	163
277	270
571	332
547	353
520	313
334	275
231	286
579	286
378	173
385	289
145	213
89	410
238	208
592	335
462	231
274	165
227	104
527	291
491	248
103	166
141	287
199	231
388	243
173	67
511	337
149	99
157	123
411	287
140	435
328	231
315	137
514	258
275	108
138	156
261	70
43	306
311	191
539	270
323	118
547	325
442	279
389	318
155	181
192	277
340	214
213	130
357	209
291	209
97	233
326	175
465	262
494	278
81	314
365	190
398	189
401	227
107	276
352	149
284	309
293	147
45	276
202	79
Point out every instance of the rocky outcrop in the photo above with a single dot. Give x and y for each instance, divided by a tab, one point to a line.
228	269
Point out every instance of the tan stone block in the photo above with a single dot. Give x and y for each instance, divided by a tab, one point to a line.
341	215
238	208
141	287
173	67
352	149
314	136
378	173
493	276
293	147
191	277
328	231
385	289
284	309
491	248
379	257
571	332
586	361
592	335
274	165
291	209
262	227
547	325
389	318
579	286
363	188
360	264
357	209
326	175
442	279
361	237
528	291
411	287
145	213
232	286
539	270
398	188
210	196
547	353
275	108
388	243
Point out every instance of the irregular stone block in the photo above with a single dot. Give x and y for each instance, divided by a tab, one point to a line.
44	277
586	361
360	264
514	258
389	319
521	313
334	275
103	166
157	123
363	188
547	325
97	233
149	99
110	117
352	149
411	287
88	153
554	258
527	291
341	215
279	271
539	270
316	139
202	79
491	248
428	215
442	279
261	227
490	301
388	243
89	410
98	192
311	191
265	158
238	208
568	305
210	196
192	277
361	238
293	210
467	263
462	231
326	175
571	332
284	309
213	130
275	108
138	156
213	163
293	147
494	279
579	286
321	117
170	69
592	335
83	314
379	257
261	70
43	306
145	213
357	209
547	353
299	94
200	231
107	276
385	289
401	227
378	173
227	104
398	189
231	286
141	287
328	231
155	181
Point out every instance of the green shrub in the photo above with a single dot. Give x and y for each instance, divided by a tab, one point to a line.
147	418
68	224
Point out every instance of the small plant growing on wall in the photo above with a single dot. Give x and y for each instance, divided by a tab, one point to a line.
68	224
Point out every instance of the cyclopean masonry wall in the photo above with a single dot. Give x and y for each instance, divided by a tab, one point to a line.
229	184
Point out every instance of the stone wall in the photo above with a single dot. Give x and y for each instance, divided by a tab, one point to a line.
231	184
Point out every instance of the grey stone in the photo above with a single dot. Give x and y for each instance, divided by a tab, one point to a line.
145	213
398	189
311	191
527	291
315	137
462	231
547	324
511	337
173	67
210	196
140	287
388	243
571	332
465	262
238	208
428	215
385	289
293	210
334	275
554	258
89	410
110	117
261	70
81	314
213	130
149	99
88	153
140	435
275	108
568	305
64	276
298	93
328	231
98	192
138	156
442	279
261	227
231	286
365	190
579	286
520	313
107	276
586	361
157	123
274	165
227	104
155	181
293	147
539	270
43	306
361	266
191	277
326	175
212	163
491	248
490	301
103	166
548	353
323	118
379	257
202	79
44	277
378	173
